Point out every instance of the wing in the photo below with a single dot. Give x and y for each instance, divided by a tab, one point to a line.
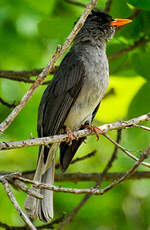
60	95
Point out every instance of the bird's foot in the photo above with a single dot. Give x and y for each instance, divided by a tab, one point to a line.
71	136
94	129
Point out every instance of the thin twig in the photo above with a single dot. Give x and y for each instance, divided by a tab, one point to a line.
108	5
44	226
16	205
125	150
76	3
114	155
79	158
93	190
76	177
7	104
135	13
81	133
25	80
87	196
136	44
54	188
142	127
109	93
29	191
18	74
60	50
129	172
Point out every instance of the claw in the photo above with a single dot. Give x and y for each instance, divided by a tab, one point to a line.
71	136
94	129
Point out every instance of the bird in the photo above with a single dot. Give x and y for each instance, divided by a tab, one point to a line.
71	101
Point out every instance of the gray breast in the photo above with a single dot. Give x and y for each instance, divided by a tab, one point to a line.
94	87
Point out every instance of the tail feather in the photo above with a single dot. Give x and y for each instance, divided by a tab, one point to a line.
44	174
45	208
67	152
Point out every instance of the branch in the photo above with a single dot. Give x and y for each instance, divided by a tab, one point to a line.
135	13
60	50
16	205
108	5
126	151
17	74
136	44
86	197
7	104
25	80
142	127
77	177
81	133
29	191
76	3
129	172
79	158
92	190
44	226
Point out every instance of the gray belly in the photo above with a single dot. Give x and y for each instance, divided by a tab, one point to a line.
90	96
93	89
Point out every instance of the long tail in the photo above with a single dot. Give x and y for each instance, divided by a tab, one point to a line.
45	174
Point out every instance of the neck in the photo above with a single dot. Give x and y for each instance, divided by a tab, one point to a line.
101	43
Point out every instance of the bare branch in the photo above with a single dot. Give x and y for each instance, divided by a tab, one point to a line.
7	104
76	177
135	13
19	74
108	5
16	205
129	172
113	157
44	226
109	93
86	197
60	50
126	151
29	191
142	127
54	188
136	44
79	158
81	133
93	190
25	80
25	75
73	2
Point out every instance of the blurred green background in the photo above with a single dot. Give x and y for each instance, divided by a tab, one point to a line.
30	31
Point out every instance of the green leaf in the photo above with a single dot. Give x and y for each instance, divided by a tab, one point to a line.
140	103
139	138
141	63
142	4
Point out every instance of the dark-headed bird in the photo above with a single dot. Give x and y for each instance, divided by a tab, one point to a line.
71	101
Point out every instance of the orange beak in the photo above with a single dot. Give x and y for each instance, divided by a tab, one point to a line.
120	22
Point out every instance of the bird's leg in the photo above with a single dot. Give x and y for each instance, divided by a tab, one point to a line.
71	136
94	129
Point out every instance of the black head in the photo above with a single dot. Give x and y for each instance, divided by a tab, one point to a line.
100	26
